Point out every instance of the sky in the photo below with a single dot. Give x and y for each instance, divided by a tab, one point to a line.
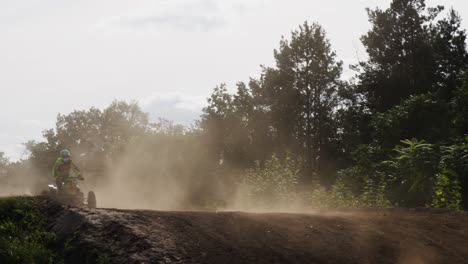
57	56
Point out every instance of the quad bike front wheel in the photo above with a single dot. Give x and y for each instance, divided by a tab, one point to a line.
91	200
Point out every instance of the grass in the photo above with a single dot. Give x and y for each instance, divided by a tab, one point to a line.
23	235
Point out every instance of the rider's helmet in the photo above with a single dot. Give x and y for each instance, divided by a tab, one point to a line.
65	153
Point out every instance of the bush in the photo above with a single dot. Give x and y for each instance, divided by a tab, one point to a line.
447	190
23	238
275	186
451	179
364	185
373	193
411	173
274	183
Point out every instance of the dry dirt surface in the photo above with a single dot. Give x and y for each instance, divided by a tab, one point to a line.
380	236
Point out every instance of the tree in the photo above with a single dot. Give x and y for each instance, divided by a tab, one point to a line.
93	136
400	60
237	126
353	121
450	54
4	162
303	92
262	135
411	52
215	121
460	119
420	116
121	122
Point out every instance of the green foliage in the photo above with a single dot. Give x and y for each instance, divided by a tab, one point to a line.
273	183
409	88
418	174
103	259
289	109
447	190
368	167
276	184
308	69
460	119
228	124
411	52
93	136
419	116
451	185
450	54
23	238
412	171
343	196
4	162
375	193
363	185
400	59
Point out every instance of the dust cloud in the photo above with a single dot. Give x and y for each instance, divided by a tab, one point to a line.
176	173
156	172
21	179
165	173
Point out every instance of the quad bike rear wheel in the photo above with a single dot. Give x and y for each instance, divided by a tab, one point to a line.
91	200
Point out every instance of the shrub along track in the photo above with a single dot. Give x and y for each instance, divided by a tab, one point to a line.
367	236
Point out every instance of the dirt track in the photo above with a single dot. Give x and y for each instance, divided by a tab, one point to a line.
394	236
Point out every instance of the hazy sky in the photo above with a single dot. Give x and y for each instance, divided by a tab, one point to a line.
60	55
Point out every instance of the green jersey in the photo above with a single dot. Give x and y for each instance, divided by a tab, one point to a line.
62	168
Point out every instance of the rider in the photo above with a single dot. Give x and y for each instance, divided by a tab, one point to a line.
63	166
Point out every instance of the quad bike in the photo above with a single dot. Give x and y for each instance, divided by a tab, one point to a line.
70	194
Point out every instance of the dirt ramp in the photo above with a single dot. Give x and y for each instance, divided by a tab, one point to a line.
395	236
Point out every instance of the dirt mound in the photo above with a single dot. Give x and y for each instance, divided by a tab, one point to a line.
393	236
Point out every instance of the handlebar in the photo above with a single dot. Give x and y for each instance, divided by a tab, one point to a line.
73	178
